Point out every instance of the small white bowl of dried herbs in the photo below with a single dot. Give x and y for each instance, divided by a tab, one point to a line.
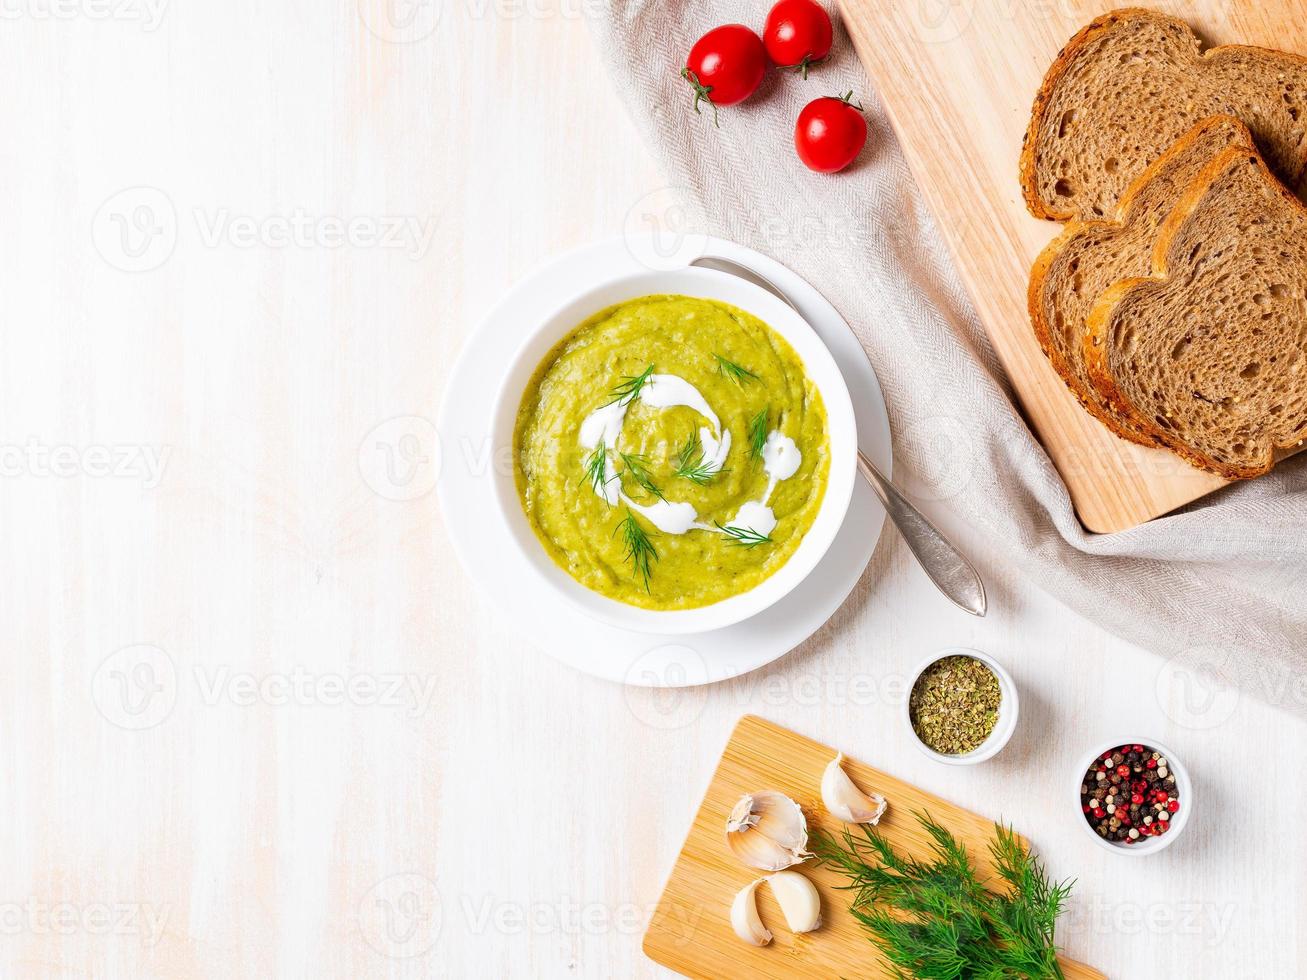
962	706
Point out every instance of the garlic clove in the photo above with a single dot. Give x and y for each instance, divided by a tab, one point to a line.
798	899
767	830
744	915
844	800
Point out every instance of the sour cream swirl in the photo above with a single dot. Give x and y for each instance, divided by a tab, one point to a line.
781	458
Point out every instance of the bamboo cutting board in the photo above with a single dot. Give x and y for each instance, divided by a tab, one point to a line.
957	79
690	931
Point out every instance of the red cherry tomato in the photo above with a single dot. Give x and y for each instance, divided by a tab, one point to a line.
725	66
830	134
797	34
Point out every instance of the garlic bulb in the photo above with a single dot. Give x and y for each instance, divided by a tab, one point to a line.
844	800
744	915
798	899
767	830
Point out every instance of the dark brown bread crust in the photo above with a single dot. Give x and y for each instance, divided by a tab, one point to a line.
1100	319
1063	61
1067	57
1073	235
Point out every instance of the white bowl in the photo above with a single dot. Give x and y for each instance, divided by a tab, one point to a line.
820	368
1179	820
1009	709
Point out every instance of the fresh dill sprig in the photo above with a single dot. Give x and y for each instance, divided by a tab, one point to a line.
640	551
638	466
630	386
691	465
758	433
935	918
596	469
746	537
729	369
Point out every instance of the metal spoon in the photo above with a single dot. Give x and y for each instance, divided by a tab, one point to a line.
951	573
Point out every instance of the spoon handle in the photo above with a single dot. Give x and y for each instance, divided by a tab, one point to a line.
951	573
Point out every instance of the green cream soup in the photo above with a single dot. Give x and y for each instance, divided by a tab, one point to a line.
671	452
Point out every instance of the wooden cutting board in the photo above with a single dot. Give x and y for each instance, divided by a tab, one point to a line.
957	79
690	931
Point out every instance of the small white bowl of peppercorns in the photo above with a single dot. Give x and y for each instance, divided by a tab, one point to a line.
1135	797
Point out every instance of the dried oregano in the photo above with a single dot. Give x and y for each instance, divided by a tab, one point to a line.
954	704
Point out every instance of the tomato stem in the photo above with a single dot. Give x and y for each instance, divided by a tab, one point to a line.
802	67
701	92
847	99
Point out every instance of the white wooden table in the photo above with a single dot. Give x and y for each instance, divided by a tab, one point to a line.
254	721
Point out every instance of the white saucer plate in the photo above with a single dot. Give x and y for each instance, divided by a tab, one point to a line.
482	542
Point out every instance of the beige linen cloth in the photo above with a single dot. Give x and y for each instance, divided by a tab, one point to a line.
1219	588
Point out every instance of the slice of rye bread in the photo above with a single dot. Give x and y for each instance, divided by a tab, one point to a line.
1210	353
1127	86
1089	256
